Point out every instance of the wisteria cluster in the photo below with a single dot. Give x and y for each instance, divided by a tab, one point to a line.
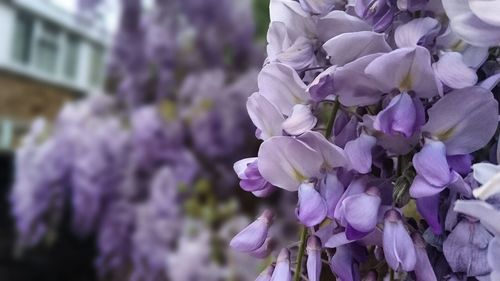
128	169
378	115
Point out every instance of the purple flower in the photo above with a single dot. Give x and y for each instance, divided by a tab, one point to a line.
399	250
311	208
282	269
466	248
254	235
314	262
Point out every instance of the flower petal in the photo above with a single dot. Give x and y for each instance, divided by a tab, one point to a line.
399	250
333	156
431	164
353	86
399	117
464	120
347	47
405	69
339	22
286	162
311	208
359	153
282	86
253	236
453	72
487	214
416	31
301	120
264	116
428	207
363	219
282	269
314	263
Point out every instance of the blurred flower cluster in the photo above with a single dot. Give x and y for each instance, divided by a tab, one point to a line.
379	116
148	171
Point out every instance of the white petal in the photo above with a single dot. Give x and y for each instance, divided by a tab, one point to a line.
301	120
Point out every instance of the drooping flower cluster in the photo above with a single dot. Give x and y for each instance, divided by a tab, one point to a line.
373	112
125	167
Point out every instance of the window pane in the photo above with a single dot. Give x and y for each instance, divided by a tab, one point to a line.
72	55
96	66
22	38
46	49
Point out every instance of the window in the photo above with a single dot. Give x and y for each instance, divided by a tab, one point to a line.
96	65
22	38
71	56
46	48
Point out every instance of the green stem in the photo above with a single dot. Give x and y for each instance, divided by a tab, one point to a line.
391	274
300	254
331	121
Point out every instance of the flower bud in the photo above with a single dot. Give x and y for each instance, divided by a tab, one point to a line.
313	258
253	236
282	269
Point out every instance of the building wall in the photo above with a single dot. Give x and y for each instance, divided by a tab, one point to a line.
25	99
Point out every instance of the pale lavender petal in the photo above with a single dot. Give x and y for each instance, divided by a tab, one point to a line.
494	256
277	37
399	117
431	163
266	191
363	219
286	162
357	186
282	270
486	10
265	116
311	208
301	120
421	188
416	32
343	264
359	153
347	47
263	251
406	69
483	211
282	86
424	270
469	26
399	250
322	85
314	263
240	166
339	22
333	156
337	240
266	274
299	55
453	72
331	190
353	86
466	248
317	6
464	120
254	235
298	21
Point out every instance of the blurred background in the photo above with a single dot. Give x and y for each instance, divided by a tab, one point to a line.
120	121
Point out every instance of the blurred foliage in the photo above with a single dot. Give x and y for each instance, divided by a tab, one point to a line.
261	12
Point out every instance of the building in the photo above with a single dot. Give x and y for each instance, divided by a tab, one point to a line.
47	56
